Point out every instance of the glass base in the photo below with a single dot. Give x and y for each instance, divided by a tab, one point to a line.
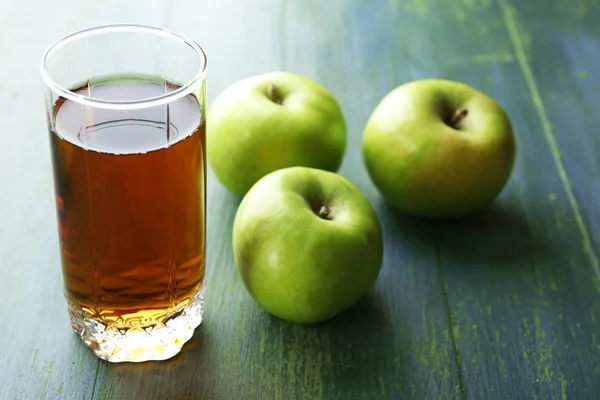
137	345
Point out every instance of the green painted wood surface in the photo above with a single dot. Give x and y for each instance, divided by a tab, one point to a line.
451	317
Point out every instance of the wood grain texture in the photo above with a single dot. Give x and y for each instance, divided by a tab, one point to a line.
502	305
558	50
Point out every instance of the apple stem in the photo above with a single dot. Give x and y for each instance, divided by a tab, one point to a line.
274	94
457	117
324	212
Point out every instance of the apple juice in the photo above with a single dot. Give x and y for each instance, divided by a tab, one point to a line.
130	195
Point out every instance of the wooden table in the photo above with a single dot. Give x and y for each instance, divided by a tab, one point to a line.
504	305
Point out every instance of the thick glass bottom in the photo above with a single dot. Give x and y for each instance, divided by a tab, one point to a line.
158	342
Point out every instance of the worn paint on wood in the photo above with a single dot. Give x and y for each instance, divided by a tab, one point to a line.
502	305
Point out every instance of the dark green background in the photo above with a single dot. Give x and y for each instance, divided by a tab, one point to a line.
503	305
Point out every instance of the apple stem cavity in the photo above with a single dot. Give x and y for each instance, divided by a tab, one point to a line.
274	94
458	116
324	212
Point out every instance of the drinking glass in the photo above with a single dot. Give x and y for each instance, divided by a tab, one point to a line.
126	117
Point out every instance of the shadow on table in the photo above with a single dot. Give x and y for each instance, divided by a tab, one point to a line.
498	239
337	358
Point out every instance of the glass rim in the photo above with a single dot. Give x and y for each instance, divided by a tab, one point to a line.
186	88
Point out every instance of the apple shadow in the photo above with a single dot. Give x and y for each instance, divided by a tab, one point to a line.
339	354
498	239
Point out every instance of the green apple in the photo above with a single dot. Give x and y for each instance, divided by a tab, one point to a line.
307	244
438	148
272	121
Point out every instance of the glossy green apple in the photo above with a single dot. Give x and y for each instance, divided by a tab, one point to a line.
307	244
273	121
439	148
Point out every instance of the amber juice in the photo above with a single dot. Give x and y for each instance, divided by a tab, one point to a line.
130	195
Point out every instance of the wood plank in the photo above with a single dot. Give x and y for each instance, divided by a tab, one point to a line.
559	53
522	290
